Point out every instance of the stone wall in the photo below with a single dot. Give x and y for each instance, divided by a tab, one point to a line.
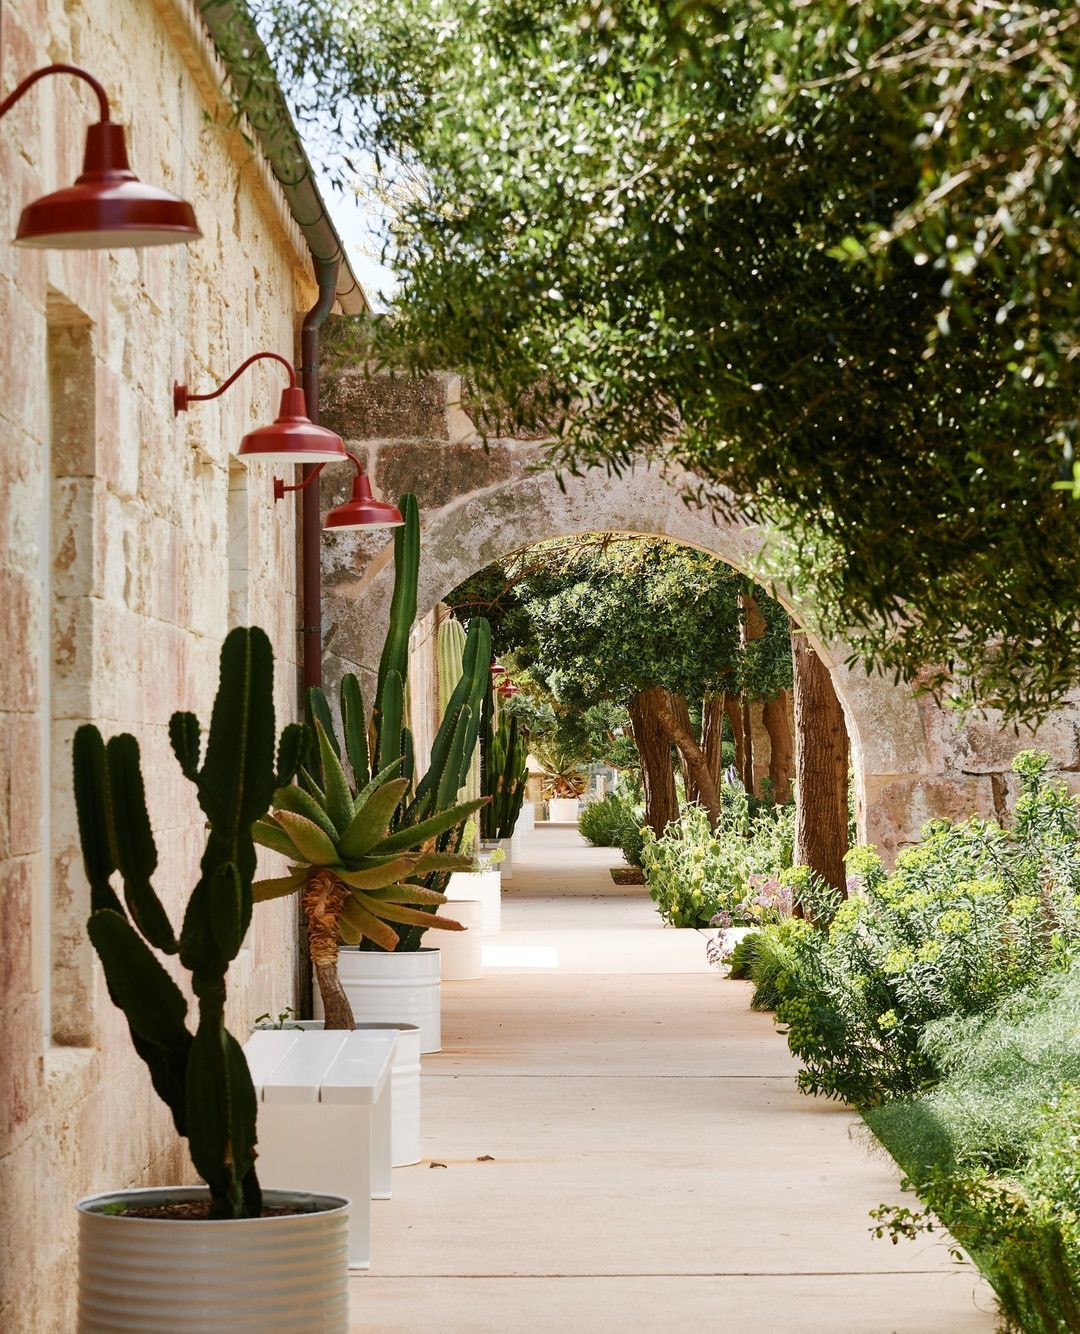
478	501
129	543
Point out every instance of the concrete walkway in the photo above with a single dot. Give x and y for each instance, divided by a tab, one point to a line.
614	1143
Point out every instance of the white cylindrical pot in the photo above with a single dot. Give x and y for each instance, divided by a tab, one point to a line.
286	1274
563	810
461	950
483	886
404	1094
506	866
405	1085
398	988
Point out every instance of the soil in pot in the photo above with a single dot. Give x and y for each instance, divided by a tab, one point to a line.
628	875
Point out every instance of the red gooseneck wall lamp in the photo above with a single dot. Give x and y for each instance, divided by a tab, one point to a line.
108	206
361	511
292	438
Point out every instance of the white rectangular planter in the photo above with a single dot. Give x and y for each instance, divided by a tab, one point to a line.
324	1117
483	886
404	1085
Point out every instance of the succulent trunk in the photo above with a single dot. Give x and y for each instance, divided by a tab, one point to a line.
323	900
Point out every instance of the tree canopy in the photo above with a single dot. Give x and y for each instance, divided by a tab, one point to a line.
823	256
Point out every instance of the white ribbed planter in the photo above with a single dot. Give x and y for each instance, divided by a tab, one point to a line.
405	1085
563	810
400	988
485	887
283	1275
507	865
461	950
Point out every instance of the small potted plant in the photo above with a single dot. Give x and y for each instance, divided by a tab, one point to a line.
190	1257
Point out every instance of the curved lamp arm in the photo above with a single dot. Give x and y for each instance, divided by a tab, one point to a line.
182	397
31	79
280	488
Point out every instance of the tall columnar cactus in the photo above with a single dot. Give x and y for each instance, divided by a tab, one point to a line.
389	741
202	1076
451	664
505	772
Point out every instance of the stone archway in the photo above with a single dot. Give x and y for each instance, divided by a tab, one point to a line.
912	761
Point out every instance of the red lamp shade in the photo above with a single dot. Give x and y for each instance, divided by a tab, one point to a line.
293	437
108	206
506	689
363	510
497	669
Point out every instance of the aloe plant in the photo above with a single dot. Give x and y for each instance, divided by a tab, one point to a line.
202	1076
358	870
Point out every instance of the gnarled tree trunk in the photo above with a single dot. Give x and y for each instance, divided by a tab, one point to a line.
712	735
775	716
675	716
743	750
821	766
323	899
653	741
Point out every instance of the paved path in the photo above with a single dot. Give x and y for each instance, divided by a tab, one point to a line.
622	1148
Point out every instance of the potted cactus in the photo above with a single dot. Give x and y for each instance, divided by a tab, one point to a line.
371	845
203	1252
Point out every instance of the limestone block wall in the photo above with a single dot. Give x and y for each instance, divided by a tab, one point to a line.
130	542
480	500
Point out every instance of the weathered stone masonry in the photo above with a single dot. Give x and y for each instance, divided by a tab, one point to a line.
913	761
129	542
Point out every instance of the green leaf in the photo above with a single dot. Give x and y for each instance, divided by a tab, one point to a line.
312	844
339	805
407	916
278	887
362	923
298	801
375	877
270	835
418	834
370	823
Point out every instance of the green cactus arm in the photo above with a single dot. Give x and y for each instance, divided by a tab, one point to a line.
375	877
313	845
185	739
298	801
132	841
291	746
450	647
339	802
153	1003
317	710
354	726
412	835
243	1122
236	781
371	822
276	887
88	765
268	834
395	912
408	755
357	922
391	717
230	910
453	775
221	1114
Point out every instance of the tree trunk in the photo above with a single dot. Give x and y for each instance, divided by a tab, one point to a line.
821	765
675	716
653	743
681	713
774	714
747	771
734	711
712	735
760	746
322	900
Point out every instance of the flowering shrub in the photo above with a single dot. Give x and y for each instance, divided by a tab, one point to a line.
696	873
969	915
603	823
